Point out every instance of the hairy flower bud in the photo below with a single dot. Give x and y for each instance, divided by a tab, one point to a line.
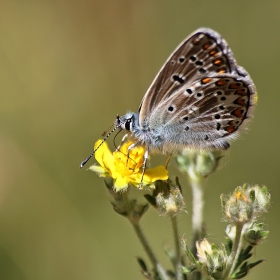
167	198
245	204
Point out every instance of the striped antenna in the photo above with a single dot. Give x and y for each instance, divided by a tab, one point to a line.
105	138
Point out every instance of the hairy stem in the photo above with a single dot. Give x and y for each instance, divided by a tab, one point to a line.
198	207
197	218
144	242
177	263
236	249
134	220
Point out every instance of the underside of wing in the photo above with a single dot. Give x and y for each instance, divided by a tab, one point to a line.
207	112
203	53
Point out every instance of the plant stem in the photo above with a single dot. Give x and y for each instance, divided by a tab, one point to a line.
197	217
143	240
134	220
198	207
177	264
236	249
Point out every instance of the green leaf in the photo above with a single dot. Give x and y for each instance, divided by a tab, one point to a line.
170	254
142	265
251	265
188	270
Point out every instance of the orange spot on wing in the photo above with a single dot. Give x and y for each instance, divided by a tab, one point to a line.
238	113
213	52
222	70
206	46
217	62
206	80
234	86
241	91
221	83
240	101
230	128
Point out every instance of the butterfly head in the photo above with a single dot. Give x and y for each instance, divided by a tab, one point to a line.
127	122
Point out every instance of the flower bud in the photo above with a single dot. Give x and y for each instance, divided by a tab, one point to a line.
212	259
246	203
255	234
167	198
199	164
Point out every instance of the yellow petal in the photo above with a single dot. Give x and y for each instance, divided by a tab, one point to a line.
103	155
135	158
150	176
135	179
120	184
101	171
156	173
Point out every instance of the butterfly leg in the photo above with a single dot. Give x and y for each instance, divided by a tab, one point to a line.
129	149
122	141
146	156
167	161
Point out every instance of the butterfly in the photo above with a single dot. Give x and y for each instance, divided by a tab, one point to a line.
200	99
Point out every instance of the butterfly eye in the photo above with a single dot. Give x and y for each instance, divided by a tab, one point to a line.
127	125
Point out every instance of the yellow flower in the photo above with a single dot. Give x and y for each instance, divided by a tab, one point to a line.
123	169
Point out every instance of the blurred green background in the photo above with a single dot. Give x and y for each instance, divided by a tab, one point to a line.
66	69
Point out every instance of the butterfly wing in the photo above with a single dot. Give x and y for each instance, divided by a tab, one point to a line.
200	98
206	113
204	51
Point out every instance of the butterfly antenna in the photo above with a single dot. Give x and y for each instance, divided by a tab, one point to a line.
109	128
104	139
